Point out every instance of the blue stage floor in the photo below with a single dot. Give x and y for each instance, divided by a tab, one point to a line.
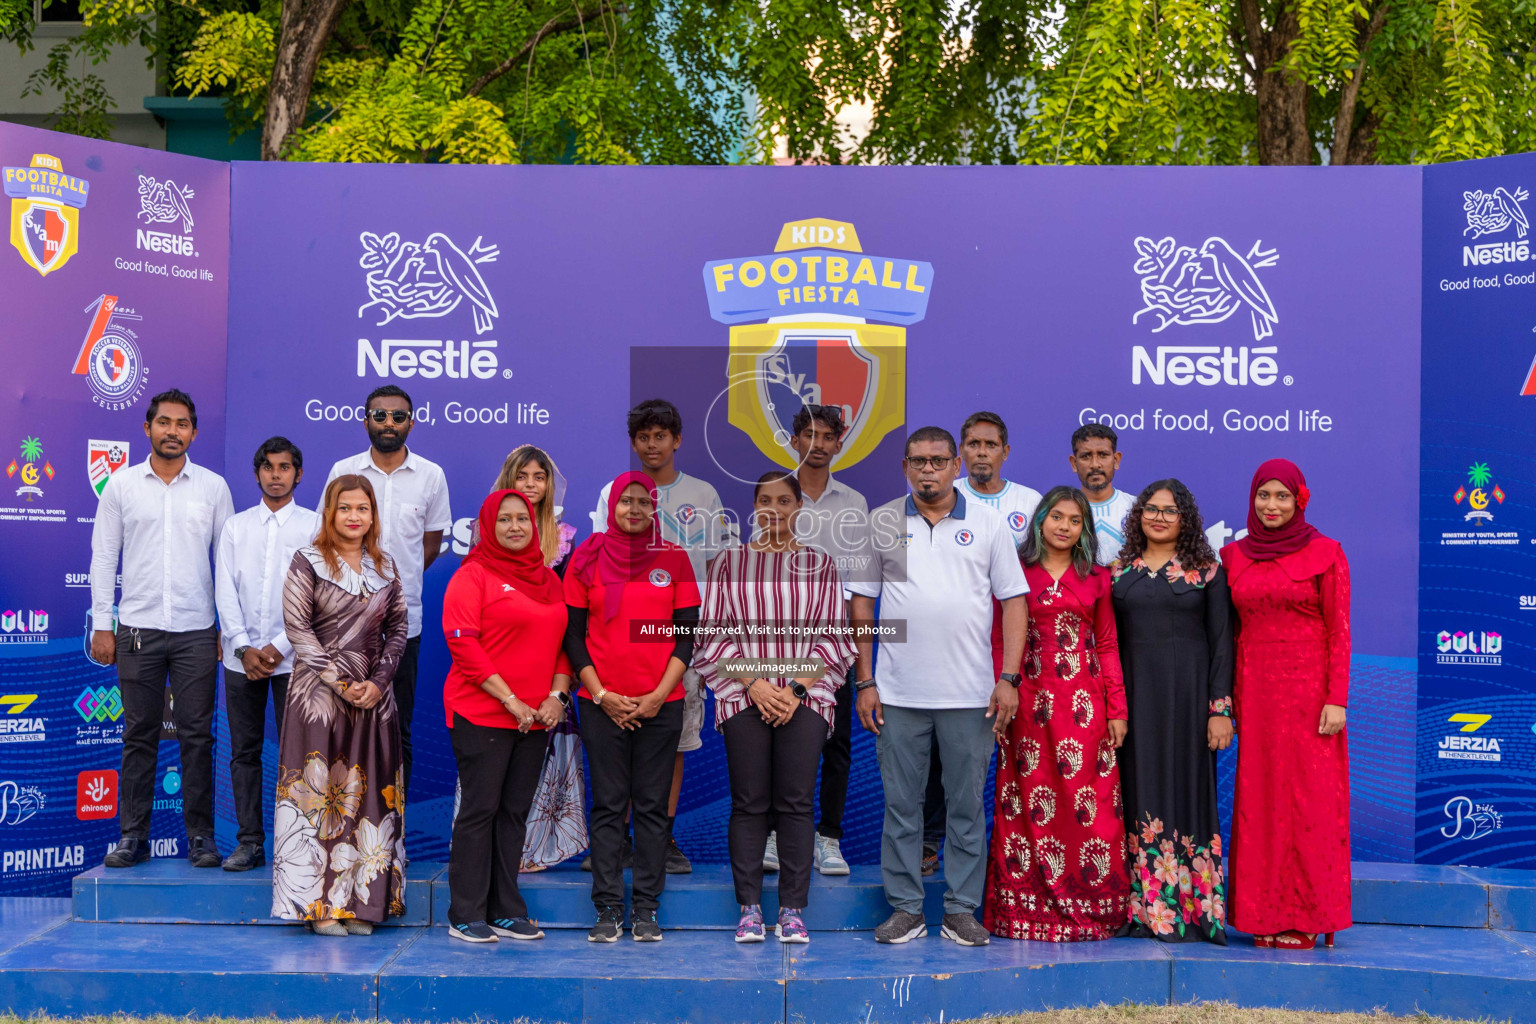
1449	950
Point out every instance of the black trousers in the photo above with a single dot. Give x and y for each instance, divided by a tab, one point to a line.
405	702
773	768
189	664
245	704
630	767
836	761
935	819
498	776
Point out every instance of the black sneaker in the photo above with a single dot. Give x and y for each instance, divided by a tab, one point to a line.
965	930
901	927
677	860
610	922
128	852
643	926
516	928
203	853
475	931
245	857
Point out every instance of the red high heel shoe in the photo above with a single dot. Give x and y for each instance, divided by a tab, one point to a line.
1301	940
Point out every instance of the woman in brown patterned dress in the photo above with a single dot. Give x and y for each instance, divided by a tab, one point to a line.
339	850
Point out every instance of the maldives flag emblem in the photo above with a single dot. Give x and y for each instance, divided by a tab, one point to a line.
103	458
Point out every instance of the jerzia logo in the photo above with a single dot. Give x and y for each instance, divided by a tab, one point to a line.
45	212
820	348
165	202
1470	748
426	280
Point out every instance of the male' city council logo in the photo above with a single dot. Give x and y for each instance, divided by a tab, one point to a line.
45	212
109	357
1182	285
165	202
100	704
1489	213
820	293
408	280
30	472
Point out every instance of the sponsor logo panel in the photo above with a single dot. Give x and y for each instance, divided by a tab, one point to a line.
45	212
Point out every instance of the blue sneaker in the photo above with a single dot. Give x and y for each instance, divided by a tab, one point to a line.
475	931
516	928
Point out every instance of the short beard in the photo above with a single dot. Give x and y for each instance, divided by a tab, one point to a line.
982	475
387	445
162	454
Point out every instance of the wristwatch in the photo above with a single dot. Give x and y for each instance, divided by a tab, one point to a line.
240	652
864	684
563	697
1013	679
799	690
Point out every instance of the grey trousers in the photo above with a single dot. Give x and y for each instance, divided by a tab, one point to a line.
965	744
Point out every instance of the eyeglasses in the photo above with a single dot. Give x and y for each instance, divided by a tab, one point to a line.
938	462
1167	515
380	415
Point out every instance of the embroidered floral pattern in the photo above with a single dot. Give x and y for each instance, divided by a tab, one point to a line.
1222	706
1197	578
1177	888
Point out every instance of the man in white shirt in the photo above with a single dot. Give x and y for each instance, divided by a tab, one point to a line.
255	549
162	516
942	561
1095	459
693	517
412	496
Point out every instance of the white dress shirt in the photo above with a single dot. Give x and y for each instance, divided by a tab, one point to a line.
165	533
413	501
838	524
252	562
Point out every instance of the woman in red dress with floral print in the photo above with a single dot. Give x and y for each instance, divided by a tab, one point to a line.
1290	822
1057	866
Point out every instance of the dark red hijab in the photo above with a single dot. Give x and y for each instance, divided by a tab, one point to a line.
614	557
1263	543
525	568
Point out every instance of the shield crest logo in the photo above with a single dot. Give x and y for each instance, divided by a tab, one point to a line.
102	459
44	233
776	369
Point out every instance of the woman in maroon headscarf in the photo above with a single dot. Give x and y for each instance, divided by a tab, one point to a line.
623	588
504	617
1290	824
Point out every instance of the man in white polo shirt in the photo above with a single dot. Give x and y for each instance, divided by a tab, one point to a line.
412	494
942	561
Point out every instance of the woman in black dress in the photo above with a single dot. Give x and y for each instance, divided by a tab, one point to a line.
1174	616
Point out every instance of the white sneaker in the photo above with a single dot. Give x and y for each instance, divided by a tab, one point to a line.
771	853
829	856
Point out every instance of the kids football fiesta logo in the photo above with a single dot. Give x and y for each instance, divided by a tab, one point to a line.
45	212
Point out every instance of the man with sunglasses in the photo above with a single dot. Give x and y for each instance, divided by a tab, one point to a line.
942	559
412	495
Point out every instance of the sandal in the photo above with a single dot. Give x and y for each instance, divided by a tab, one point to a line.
1299	940
1264	942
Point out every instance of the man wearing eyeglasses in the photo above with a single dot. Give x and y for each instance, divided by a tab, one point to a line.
412	495
942	559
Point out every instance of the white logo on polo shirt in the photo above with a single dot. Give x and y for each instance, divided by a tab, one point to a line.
660	578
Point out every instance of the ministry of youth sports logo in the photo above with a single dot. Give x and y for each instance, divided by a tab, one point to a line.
412	280
1182	285
1489	213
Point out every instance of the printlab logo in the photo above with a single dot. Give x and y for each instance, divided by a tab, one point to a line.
96	794
1462	747
16	726
1469	820
427	280
1479	476
109	356
31	473
23	626
799	335
102	459
18	802
1469	648
45	212
165	202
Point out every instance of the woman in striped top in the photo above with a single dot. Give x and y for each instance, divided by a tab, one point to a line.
774	728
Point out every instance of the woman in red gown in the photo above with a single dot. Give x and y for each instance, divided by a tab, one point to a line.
1290	823
1056	871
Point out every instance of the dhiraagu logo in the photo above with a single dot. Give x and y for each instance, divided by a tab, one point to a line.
801	334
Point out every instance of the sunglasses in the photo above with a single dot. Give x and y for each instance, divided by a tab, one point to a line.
382	415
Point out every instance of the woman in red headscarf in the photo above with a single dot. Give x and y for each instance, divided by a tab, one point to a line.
1290	823
625	588
505	618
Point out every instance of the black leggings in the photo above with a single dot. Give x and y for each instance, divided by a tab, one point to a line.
498	776
773	769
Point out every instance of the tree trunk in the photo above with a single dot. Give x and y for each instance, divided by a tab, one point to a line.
1344	120
302	34
1282	97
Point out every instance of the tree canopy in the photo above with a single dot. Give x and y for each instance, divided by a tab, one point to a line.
946	81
